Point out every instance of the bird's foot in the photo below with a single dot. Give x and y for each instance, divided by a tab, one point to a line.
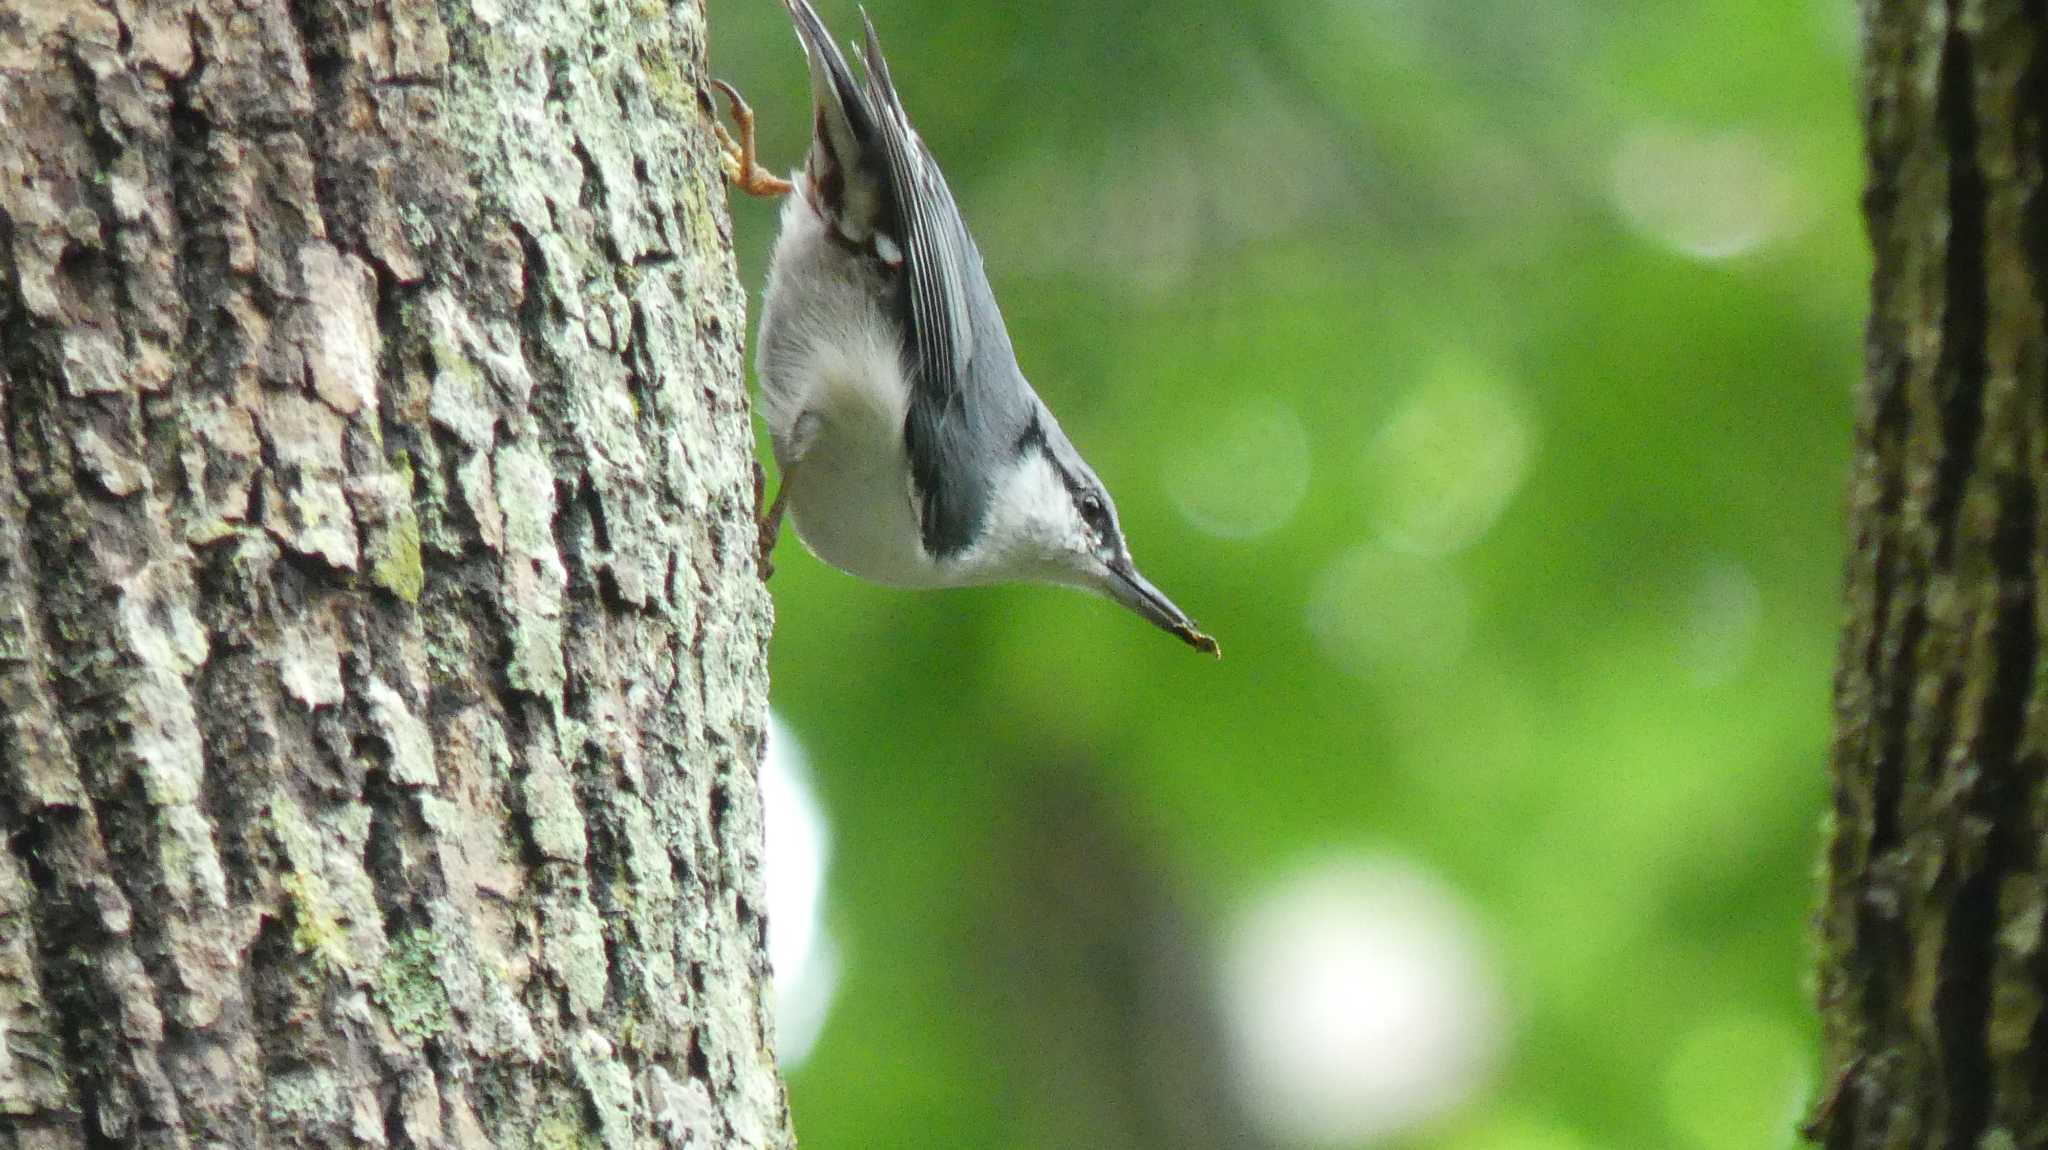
767	525
768	531
742	168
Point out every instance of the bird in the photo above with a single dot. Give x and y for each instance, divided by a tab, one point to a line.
912	450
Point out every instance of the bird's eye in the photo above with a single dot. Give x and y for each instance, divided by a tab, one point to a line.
1092	510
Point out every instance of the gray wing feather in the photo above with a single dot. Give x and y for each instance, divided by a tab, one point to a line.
873	178
939	255
968	402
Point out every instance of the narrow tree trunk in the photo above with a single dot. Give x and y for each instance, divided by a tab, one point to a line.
1933	970
381	652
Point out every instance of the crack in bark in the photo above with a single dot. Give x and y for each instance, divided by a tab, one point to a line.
64	851
1962	366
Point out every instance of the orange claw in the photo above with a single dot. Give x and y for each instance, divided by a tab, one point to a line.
741	166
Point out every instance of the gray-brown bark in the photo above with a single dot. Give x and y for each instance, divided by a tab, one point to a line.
1933	972
381	651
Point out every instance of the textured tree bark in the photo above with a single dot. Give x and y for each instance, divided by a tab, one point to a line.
1933	971
381	651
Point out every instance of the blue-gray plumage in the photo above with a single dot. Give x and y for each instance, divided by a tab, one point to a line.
912	449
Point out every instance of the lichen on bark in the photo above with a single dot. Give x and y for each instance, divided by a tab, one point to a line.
382	657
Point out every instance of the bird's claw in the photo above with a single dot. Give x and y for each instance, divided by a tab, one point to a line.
768	524
742	168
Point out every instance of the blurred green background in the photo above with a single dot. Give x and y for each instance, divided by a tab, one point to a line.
1479	373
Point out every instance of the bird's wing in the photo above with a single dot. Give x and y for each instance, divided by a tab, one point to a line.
938	255
872	178
962	406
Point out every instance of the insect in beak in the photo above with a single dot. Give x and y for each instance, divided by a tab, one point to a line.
1136	592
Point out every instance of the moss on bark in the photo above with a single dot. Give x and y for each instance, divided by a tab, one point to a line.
1932	971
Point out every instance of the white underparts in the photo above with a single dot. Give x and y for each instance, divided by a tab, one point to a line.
834	395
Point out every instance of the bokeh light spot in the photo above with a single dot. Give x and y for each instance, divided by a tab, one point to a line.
798	841
1361	1003
1723	613
1140	208
1245	474
1708	196
1841	28
1375	610
1738	1082
1446	464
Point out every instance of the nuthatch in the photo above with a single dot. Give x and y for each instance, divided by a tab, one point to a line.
913	452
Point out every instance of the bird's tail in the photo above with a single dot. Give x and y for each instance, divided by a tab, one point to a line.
844	168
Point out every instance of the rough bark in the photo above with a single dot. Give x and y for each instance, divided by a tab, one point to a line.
381	651
1932	969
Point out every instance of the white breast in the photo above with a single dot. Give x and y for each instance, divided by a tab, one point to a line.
833	394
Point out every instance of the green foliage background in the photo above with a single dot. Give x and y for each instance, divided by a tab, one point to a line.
1596	704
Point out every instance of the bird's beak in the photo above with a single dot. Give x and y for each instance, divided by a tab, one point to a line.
1135	591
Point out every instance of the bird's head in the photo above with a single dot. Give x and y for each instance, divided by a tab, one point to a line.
1050	519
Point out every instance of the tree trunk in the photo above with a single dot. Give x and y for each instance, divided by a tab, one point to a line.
381	651
1933	971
